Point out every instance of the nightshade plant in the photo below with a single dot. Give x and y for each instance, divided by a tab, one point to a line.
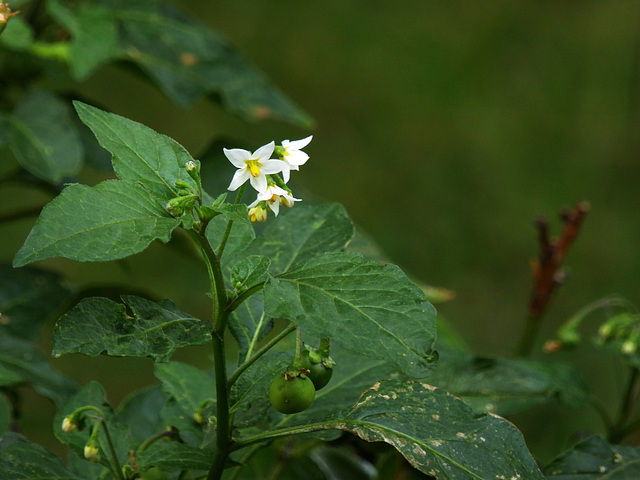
314	346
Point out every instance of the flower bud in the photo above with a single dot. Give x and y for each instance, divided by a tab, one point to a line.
258	214
69	425
92	453
5	15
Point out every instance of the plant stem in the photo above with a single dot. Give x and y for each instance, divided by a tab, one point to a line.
223	432
240	370
114	456
225	236
621	428
528	338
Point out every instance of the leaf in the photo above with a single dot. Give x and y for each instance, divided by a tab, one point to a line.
593	459
94	36
141	411
249	325
110	221
249	272
438	433
369	308
187	61
98	325
21	459
28	298
21	362
240	235
43	137
6	414
504	386
302	233
175	456
140	155
187	384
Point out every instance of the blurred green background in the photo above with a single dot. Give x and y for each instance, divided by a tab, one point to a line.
444	128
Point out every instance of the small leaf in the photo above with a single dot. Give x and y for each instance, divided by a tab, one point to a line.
21	362
188	385
112	220
140	155
372	309
21	459
141	411
101	326
593	459
248	272
29	297
174	456
43	137
302	233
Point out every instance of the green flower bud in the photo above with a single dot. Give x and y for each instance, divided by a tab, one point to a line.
92	453
69	425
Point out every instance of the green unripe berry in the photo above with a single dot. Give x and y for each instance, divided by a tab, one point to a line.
291	394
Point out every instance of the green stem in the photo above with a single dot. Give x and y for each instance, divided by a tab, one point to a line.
236	302
620	429
114	456
270	344
225	236
531	327
223	432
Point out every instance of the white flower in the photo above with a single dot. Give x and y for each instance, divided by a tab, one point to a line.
275	196
292	154
253	166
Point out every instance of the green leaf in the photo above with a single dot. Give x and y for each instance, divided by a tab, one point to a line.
140	155
141	411
187	60
593	459
28	298
21	459
503	386
21	362
43	137
439	434
174	456
101	326
302	233
112	220
240	235
369	308
94	36
188	385
249	272
248	324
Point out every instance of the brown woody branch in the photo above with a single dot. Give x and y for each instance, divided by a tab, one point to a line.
547	270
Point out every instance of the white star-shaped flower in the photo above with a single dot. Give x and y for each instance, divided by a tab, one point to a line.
275	196
293	156
253	166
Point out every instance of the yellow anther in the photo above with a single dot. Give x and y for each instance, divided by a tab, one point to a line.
254	168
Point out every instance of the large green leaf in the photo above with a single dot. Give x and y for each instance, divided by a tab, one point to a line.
28	297
141	411
140	155
43	137
249	325
21	459
94	36
187	61
302	233
595	459
112	220
507	386
98	325
372	309
21	362
175	456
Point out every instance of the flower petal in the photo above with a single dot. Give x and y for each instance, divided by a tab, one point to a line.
264	152
238	179
237	156
298	144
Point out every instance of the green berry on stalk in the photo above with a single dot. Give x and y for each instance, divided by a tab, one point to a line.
291	392
318	371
